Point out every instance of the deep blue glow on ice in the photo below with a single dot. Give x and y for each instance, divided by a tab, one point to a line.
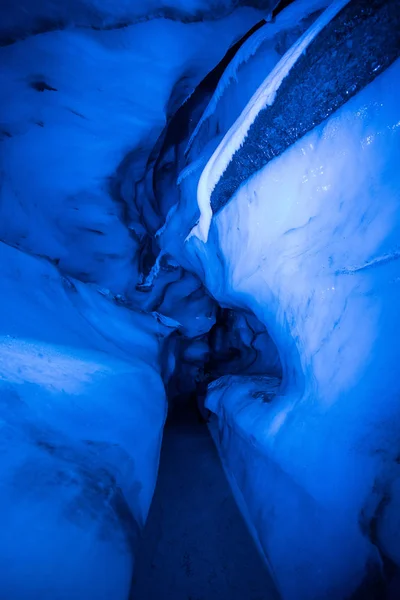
178	228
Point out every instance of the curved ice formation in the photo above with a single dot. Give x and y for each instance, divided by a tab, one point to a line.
295	12
234	138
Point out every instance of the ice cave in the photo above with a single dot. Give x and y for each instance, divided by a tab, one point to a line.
200	299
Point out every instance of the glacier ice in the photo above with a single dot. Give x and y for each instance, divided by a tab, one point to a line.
264	96
309	244
85	353
295	12
71	157
82	410
124	285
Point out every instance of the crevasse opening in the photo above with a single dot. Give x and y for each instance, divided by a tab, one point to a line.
199	243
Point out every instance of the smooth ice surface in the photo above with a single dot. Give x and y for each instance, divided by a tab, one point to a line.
82	406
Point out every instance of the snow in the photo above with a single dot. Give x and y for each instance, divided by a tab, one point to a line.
264	96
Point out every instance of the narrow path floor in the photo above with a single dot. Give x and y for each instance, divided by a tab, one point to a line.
195	544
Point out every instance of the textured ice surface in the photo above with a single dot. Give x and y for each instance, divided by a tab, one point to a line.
358	44
307	248
265	95
310	244
195	544
323	275
23	19
293	14
86	307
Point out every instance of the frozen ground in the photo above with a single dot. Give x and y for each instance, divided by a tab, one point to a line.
196	545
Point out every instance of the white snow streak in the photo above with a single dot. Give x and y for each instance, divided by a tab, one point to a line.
264	96
288	18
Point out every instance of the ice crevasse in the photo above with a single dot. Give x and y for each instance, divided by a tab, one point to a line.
264	183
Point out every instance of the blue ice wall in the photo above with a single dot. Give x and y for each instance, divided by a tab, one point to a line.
82	407
309	243
117	240
86	88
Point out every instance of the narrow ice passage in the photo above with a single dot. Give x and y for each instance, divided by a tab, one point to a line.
195	544
270	129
